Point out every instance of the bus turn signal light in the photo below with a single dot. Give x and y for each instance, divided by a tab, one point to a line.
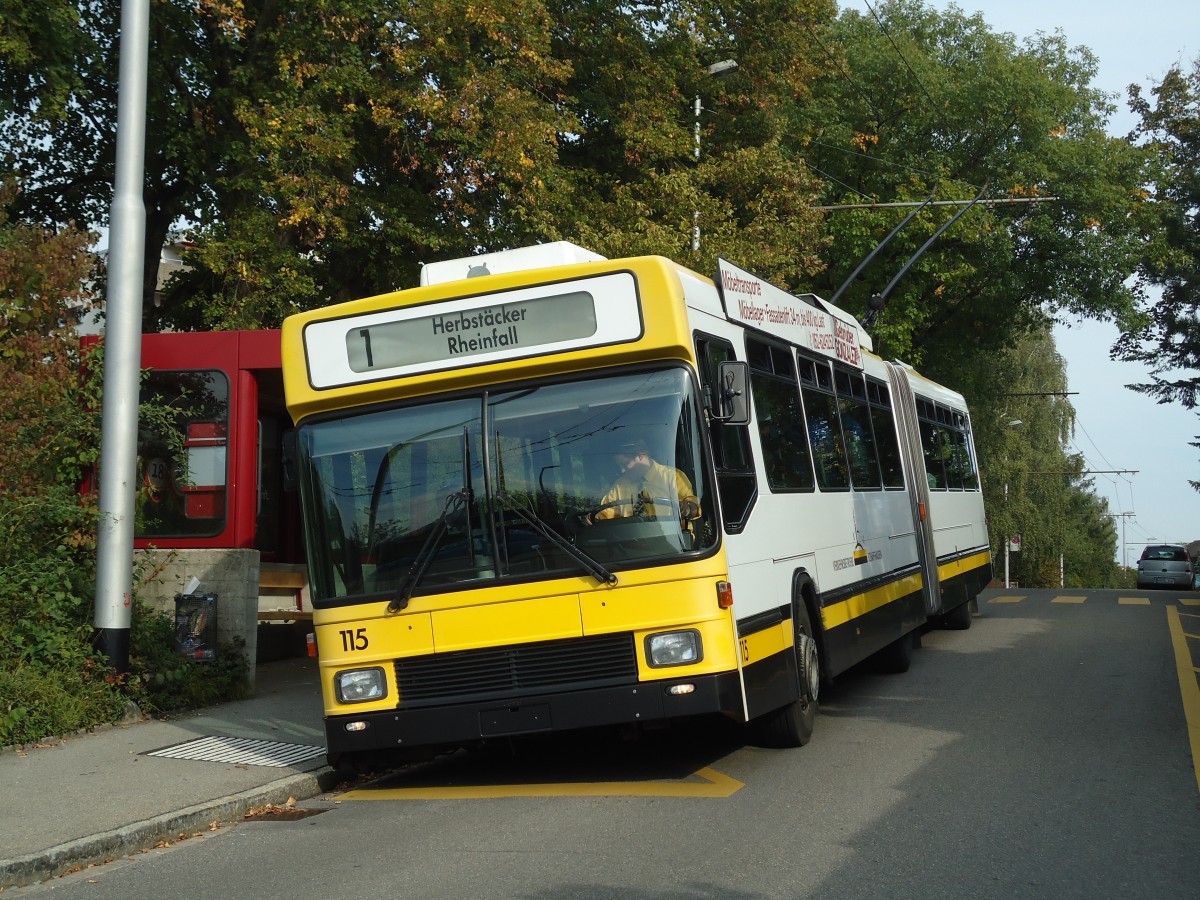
724	594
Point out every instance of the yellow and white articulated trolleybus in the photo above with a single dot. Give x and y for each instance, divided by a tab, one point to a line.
546	490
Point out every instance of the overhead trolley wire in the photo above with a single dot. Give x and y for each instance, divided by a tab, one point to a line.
903	59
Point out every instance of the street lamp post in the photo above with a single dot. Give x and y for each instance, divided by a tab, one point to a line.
722	69
696	151
1014	423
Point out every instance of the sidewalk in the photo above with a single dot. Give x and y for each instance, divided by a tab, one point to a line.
96	797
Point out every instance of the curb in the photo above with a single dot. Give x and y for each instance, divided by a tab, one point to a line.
143	835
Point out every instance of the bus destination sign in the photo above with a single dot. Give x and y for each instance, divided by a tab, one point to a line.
467	333
758	304
473	330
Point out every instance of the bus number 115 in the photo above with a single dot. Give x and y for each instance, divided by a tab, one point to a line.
354	640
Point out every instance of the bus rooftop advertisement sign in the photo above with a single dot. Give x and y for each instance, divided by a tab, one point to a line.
758	304
507	325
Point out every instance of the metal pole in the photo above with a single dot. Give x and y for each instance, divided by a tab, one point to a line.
122	352
722	69
696	151
998	201
1006	584
1124	549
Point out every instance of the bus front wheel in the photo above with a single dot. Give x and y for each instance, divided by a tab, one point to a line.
792	725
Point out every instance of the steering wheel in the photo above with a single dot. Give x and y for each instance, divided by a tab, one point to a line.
665	504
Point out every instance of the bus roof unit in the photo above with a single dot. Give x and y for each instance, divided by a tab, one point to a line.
539	256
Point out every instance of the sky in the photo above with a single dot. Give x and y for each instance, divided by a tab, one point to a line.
1116	428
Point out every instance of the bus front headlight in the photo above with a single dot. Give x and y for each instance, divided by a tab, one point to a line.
360	685
674	648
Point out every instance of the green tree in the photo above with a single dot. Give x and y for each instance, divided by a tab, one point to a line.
632	182
316	151
320	151
50	680
917	102
1033	484
1168	338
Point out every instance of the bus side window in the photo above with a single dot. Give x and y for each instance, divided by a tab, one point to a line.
730	444
964	452
886	442
856	428
780	418
824	424
931	443
932	451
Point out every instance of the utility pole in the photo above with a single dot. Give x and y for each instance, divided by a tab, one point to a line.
1124	556
1007	539
123	342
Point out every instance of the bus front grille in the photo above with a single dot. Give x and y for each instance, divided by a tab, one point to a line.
516	671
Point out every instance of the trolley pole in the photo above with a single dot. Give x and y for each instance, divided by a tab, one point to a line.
122	355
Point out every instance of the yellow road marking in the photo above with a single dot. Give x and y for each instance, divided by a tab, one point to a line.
1006	600
716	785
1190	601
1189	687
1068	600
1134	601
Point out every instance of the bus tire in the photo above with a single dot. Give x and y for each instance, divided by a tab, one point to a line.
896	657
792	725
959	618
353	766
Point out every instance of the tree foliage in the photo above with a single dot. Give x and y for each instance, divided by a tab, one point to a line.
1168	341
919	104
318	151
52	680
1033	484
322	151
43	277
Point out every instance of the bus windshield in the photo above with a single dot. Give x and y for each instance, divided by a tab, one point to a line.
575	478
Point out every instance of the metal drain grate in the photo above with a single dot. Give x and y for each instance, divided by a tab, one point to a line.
239	751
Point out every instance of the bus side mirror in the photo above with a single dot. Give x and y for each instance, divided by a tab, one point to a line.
288	462
733	396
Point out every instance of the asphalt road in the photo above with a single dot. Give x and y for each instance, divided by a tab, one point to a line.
1044	753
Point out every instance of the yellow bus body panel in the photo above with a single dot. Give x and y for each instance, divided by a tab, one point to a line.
766	642
644	602
515	622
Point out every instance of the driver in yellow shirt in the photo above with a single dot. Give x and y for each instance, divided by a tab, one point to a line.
641	481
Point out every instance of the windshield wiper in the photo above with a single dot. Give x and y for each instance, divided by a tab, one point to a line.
591	565
454	503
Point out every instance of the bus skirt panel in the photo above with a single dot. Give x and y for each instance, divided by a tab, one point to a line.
465	723
963	577
855	639
769	668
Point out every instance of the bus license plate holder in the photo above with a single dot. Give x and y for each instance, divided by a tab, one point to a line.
506	720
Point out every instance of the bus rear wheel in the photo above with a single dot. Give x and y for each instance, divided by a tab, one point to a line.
792	725
959	618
